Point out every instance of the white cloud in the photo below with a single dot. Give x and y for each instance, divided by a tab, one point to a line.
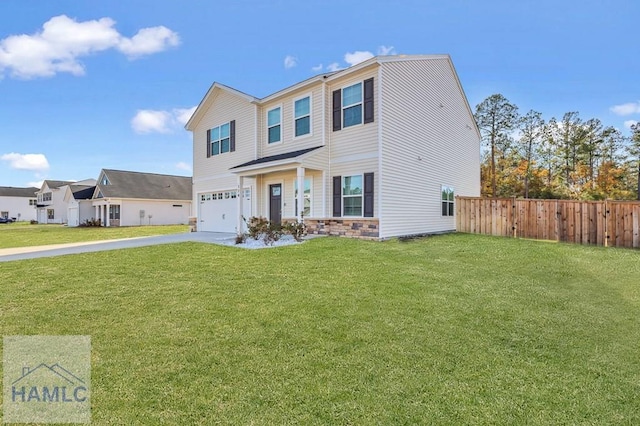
148	41
629	123
334	67
290	61
183	115
63	40
386	50
183	166
626	109
357	57
17	161
150	121
159	121
37	183
317	68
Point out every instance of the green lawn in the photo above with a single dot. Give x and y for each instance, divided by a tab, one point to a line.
456	329
22	234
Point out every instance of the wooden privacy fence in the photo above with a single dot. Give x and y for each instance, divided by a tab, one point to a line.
603	223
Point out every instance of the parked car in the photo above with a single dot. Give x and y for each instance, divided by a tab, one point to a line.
6	220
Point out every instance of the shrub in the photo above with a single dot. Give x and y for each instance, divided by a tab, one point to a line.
296	229
33	222
91	222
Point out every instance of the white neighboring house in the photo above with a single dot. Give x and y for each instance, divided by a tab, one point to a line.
51	204
125	198
18	203
79	204
378	150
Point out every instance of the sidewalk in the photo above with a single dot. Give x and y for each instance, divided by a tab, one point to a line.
20	253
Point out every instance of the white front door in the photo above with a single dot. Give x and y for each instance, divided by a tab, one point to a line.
217	211
74	218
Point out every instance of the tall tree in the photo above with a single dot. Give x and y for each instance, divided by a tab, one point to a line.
532	131
592	147
496	117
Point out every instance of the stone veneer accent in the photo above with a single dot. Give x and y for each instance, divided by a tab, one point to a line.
354	228
114	222
193	224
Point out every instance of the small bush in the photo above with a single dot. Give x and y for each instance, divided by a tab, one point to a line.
91	222
33	222
296	229
241	238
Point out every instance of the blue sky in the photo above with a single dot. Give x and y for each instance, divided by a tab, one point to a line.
88	85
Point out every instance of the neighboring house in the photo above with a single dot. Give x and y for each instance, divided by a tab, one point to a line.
51	204
377	150
79	204
124	198
18	203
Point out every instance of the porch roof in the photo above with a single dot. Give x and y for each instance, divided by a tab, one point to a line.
274	160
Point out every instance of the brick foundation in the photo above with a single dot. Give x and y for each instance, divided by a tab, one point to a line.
354	228
114	222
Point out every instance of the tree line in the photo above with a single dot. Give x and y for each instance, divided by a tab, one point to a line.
569	158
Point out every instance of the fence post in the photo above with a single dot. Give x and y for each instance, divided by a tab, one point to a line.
513	217
606	224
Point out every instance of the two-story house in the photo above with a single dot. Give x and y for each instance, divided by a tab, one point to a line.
377	150
51	204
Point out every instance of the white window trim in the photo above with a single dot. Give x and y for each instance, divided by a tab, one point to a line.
452	202
220	139
295	198
361	174
293	107
361	103
266	121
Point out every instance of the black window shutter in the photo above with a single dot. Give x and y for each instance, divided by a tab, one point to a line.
337	196
368	100
208	143
337	110
368	195
232	135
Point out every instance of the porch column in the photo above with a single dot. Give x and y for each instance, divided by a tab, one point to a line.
300	193
240	200
106	215
96	214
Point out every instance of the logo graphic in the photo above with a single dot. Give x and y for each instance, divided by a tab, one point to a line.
46	379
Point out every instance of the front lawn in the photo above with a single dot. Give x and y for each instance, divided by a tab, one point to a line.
455	329
21	234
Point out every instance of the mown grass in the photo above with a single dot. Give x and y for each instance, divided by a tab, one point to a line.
456	329
21	234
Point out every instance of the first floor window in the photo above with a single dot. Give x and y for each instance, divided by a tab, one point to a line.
50	214
448	198
32	202
352	195
114	212
4	215
302	116
273	125
306	211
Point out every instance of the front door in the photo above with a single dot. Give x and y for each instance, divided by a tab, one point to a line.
275	202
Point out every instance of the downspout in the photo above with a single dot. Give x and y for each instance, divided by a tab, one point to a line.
379	102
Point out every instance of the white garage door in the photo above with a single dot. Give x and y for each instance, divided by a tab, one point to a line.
217	211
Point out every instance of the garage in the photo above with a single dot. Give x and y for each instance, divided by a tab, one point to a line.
217	211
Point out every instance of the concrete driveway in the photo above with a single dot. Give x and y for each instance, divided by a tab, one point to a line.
20	253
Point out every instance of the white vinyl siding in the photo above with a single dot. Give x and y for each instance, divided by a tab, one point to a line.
425	113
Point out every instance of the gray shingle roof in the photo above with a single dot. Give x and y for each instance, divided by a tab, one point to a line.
277	157
10	191
82	192
57	183
124	184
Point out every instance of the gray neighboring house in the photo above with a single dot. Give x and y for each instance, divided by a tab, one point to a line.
126	198
18	203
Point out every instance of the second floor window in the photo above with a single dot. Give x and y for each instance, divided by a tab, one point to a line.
274	125
302	116
352	105
220	138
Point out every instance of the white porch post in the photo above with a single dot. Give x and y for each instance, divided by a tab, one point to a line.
95	214
300	193
106	215
240	199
